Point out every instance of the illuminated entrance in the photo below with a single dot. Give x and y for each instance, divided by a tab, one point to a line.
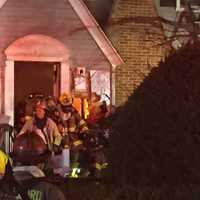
49	54
36	77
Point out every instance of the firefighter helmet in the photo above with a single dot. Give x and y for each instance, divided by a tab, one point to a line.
66	99
29	145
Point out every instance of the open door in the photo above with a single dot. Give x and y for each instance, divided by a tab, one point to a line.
35	77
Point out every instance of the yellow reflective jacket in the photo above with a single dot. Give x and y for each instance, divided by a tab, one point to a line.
4	159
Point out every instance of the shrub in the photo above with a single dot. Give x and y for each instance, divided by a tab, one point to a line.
156	136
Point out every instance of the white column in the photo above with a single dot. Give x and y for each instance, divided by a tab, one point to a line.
178	5
1	88
9	99
9	90
65	77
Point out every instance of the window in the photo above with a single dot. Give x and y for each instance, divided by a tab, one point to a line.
167	3
195	2
175	3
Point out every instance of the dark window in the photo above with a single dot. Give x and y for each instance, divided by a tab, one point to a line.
168	3
195	2
172	3
191	2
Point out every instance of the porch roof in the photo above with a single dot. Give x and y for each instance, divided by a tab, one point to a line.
94	30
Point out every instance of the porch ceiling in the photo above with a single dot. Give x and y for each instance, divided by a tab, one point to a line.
75	27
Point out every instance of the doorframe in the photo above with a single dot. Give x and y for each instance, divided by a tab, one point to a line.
10	80
55	74
15	52
56	79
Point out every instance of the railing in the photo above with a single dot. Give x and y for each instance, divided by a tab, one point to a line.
6	137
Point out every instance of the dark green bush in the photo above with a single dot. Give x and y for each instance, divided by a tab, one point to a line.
164	192
154	152
156	136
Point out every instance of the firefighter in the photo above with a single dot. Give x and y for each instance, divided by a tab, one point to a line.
95	143
97	110
52	109
44	127
25	109
74	128
5	161
13	187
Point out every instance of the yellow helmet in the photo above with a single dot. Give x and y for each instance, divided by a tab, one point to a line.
66	99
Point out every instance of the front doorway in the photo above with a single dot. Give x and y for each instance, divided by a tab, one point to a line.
32	77
36	77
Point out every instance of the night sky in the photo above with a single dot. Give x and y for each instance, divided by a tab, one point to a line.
100	9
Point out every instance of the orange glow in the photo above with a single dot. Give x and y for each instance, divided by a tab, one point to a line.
78	104
85	108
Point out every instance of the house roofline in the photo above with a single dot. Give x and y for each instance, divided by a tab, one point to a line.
2	2
96	32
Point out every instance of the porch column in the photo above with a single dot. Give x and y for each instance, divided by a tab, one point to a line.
9	90
2	78
1	88
65	77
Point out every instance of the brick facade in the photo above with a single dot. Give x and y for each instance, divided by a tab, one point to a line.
137	34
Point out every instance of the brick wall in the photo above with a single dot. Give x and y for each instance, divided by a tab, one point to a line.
136	33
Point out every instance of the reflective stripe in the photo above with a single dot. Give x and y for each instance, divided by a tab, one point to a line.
41	134
82	122
104	165
72	129
75	172
98	166
78	142
85	128
101	166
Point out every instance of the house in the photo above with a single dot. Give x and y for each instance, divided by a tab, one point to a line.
55	42
45	45
142	38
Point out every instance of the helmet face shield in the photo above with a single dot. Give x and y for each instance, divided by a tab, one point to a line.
66	108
